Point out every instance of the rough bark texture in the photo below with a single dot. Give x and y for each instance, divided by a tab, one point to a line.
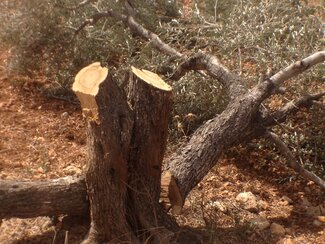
239	122
233	126
126	150
28	199
106	174
152	106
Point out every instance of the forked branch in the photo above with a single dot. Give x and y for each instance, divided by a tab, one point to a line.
291	107
285	151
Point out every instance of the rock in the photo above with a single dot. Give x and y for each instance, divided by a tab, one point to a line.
277	229
317	223
263	205
220	206
65	115
260	223
247	201
287	199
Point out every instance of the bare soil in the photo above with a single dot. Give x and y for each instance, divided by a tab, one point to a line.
42	138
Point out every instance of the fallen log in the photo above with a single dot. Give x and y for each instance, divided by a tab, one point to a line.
29	199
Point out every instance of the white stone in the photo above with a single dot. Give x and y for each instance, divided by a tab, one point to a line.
247	201
220	206
64	115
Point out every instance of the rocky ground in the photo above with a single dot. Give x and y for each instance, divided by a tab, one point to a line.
246	198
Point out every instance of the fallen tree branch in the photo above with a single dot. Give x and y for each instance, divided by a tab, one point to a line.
201	61
297	68
138	29
29	199
92	20
291	107
198	62
285	151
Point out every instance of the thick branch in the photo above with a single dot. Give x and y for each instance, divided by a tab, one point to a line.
29	199
285	151
271	85
238	122
210	63
292	107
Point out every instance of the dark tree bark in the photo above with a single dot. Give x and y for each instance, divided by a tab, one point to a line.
151	100
29	199
109	131
127	141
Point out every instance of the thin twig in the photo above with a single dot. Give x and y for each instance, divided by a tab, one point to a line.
285	151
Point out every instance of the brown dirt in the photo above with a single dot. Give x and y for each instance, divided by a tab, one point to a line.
42	138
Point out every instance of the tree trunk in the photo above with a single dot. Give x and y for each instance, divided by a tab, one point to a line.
109	130
151	100
237	123
126	144
29	199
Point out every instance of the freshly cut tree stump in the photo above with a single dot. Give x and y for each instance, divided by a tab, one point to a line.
86	87
127	140
151	100
109	130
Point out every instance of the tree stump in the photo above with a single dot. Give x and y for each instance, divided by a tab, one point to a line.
126	139
109	129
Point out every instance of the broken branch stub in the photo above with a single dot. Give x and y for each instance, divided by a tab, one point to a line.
170	195
86	87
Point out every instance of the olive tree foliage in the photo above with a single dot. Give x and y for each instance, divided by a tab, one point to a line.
254	38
